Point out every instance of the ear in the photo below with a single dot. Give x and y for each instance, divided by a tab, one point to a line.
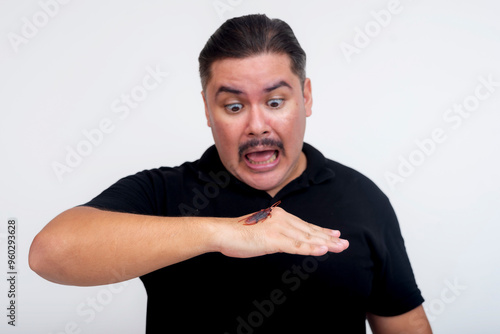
206	108
308	101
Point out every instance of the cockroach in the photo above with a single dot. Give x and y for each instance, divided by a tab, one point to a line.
259	215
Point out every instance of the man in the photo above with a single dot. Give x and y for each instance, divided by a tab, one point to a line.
183	230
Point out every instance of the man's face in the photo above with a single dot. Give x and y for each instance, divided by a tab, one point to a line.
257	111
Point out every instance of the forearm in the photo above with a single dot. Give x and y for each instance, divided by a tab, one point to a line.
87	246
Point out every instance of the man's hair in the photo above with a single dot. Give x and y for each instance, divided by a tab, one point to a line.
252	35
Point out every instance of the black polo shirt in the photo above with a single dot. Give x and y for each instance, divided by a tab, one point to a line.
278	293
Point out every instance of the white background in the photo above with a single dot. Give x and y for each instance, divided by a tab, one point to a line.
369	110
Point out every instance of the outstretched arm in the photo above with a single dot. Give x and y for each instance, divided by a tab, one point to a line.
87	246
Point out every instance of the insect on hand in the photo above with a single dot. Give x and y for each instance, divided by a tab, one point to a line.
259	215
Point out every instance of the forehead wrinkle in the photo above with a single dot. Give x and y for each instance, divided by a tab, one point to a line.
226	89
280	84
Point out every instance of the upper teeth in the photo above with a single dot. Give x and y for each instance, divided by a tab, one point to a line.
271	159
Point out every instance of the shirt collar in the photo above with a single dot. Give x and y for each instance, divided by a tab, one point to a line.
316	170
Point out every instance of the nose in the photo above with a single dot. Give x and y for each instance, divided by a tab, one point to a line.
258	123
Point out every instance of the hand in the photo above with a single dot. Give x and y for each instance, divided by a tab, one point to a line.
282	232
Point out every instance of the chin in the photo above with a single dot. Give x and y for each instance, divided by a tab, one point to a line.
262	182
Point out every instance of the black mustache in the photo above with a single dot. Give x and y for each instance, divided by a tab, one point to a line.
260	142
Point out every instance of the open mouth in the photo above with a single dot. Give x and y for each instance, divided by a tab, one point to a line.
262	157
262	161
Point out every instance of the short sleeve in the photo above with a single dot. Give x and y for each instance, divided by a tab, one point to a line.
394	289
141	193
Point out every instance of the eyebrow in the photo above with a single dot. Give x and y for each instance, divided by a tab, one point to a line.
282	83
225	89
228	90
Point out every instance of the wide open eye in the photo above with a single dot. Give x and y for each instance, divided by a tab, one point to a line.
233	107
275	103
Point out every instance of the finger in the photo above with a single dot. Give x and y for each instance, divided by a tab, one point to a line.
313	229
315	234
334	233
304	238
302	248
339	246
306	242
